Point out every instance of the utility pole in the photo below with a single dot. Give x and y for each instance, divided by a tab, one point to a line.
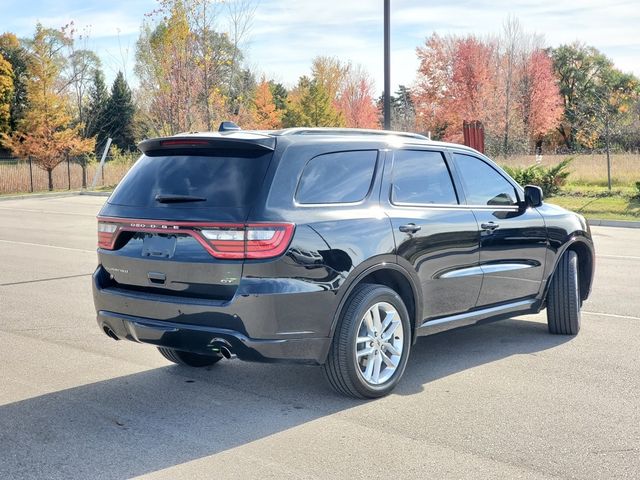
387	66
608	145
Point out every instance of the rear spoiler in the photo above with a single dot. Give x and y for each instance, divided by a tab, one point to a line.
202	143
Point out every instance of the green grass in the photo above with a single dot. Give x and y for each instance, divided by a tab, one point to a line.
598	206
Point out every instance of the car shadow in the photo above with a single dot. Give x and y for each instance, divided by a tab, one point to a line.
140	423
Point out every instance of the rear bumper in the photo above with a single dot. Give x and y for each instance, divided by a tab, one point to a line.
209	340
293	325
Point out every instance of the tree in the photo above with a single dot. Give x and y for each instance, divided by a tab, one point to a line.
579	69
355	100
167	72
191	76
279	94
98	123
83	65
6	94
311	106
430	94
267	117
505	82
331	74
120	112
403	114
17	56
539	97
45	132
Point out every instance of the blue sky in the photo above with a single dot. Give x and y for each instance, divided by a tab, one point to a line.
286	35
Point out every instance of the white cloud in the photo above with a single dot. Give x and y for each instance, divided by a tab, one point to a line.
286	35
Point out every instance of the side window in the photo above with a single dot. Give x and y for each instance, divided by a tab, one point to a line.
482	184
421	177
341	177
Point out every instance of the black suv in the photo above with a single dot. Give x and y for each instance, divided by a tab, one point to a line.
327	246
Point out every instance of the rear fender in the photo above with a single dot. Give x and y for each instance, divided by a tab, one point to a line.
380	263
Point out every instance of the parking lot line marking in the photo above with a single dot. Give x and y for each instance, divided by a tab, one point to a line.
49	246
629	257
612	315
44	279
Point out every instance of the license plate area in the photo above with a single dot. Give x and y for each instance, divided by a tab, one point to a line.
159	246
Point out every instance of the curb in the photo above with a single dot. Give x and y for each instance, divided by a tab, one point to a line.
94	194
38	195
613	223
54	195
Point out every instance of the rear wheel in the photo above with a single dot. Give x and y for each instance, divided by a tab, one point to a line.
371	343
563	298
188	359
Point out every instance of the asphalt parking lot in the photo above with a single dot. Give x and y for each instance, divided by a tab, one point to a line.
505	400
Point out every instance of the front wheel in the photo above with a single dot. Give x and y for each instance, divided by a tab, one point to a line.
563	298
371	343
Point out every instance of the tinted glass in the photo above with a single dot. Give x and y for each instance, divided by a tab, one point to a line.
421	177
228	180
482	184
341	177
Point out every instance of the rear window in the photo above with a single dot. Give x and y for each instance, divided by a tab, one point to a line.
228	179
341	177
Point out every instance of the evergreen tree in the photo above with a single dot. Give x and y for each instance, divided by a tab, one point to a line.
403	113
279	94
120	111
317	108
97	121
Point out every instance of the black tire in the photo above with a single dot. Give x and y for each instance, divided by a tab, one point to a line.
341	369
188	359
563	298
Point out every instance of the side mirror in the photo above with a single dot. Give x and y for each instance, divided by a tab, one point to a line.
532	196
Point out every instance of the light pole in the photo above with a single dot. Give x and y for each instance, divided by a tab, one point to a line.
387	67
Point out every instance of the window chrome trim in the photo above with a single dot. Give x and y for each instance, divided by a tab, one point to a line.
501	208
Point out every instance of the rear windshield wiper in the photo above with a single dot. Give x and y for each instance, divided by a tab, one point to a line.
168	198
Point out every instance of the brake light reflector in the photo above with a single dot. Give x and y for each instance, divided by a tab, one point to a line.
253	241
106	234
182	142
266	241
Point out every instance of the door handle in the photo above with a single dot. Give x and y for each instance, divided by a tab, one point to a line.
409	228
491	226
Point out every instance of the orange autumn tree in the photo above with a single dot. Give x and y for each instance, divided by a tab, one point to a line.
356	101
540	100
46	133
266	116
456	82
509	85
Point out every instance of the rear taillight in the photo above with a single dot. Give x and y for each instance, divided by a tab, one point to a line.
228	241
253	241
107	234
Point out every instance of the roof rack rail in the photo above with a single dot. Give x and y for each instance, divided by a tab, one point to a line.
348	131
